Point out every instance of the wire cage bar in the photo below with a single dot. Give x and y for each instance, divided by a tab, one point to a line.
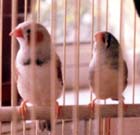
72	25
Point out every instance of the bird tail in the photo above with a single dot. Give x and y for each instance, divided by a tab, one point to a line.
44	127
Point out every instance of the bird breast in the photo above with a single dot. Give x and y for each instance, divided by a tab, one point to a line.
34	83
105	83
105	80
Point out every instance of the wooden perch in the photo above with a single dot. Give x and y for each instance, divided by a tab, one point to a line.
8	113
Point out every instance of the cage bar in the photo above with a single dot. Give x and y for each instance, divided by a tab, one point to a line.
38	10
76	68
120	76
107	6
134	59
25	10
89	127
53	65
34	16
75	113
13	55
64	60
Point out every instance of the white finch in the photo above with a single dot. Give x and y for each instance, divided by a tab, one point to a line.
38	90
107	69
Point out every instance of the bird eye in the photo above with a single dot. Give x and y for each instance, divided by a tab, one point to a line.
28	31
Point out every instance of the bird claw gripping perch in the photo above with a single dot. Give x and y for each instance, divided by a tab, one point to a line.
23	109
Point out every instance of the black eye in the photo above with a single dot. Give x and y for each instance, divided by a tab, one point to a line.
28	31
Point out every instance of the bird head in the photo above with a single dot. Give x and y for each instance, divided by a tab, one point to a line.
105	40
30	32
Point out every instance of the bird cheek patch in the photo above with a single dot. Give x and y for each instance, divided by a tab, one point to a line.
39	36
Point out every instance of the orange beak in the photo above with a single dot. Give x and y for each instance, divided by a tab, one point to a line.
17	33
99	36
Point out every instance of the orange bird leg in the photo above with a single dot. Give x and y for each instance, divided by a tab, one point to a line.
121	102
57	109
107	126
124	106
92	105
23	109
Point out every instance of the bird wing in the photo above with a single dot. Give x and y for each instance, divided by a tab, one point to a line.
91	76
59	69
125	73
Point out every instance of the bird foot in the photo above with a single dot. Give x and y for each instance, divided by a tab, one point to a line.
92	105
123	105
57	109
23	109
107	126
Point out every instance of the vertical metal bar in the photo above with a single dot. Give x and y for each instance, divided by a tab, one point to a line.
38	10
25	18
76	65
92	35
106	25
120	76
35	11
53	64
99	15
38	20
1	42
25	10
107	15
98	122
64	48
92	26
134	57
106	121
13	54
121	20
64	58
32	68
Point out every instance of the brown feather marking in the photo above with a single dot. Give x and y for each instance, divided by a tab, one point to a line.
59	71
125	72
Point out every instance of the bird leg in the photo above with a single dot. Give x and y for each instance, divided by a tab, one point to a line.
57	109
23	109
124	106
92	105
121	102
107	126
